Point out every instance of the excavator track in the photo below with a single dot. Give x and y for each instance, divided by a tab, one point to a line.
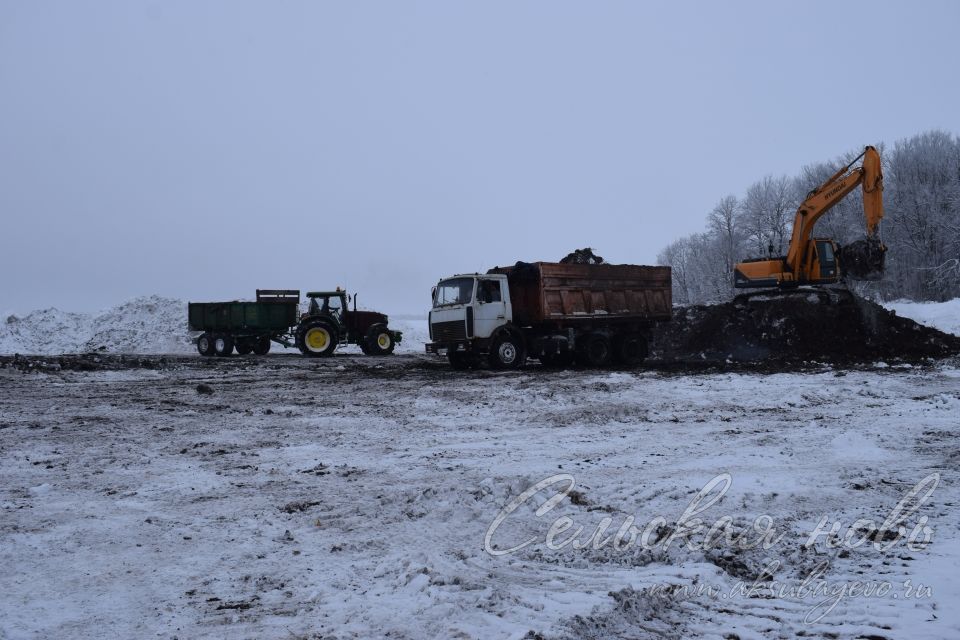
821	294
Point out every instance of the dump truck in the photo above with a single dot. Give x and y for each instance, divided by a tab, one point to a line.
251	327
591	314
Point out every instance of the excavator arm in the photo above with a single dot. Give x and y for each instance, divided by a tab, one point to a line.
826	196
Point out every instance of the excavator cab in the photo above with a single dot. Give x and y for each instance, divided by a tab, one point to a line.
823	261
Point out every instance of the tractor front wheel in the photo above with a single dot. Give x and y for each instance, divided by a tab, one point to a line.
379	341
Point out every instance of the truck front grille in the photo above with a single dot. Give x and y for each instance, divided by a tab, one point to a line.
449	331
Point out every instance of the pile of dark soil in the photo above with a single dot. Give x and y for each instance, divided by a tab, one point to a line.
82	362
830	325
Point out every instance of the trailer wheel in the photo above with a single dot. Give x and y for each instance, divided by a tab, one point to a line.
317	338
631	349
506	352
244	347
596	350
223	345
262	346
379	340
205	344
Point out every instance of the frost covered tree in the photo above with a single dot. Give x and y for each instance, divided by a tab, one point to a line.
766	214
922	221
921	225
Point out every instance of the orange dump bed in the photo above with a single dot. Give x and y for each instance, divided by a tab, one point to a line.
545	292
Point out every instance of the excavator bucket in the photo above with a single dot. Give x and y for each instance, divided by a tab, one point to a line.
863	259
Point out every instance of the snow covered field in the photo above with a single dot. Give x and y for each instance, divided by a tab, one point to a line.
354	498
939	315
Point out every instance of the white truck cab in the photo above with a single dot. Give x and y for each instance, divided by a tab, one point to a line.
468	310
478	304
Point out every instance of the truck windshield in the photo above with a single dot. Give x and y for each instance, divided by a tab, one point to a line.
454	291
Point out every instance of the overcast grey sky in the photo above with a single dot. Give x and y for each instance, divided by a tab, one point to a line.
203	149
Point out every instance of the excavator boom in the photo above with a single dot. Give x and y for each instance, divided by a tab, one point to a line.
826	196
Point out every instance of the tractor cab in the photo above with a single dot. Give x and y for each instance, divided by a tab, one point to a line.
328	304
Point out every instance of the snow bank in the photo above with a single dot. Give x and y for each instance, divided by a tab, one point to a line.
944	316
148	324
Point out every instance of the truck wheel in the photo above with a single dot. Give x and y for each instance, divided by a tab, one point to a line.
379	340
223	345
460	360
316	338
262	346
244	347
205	344
506	352
596	350
631	349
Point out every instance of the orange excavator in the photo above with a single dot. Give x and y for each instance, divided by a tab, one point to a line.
811	260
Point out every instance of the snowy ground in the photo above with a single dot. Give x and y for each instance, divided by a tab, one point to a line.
351	497
939	315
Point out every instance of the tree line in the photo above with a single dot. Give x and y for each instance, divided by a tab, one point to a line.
921	226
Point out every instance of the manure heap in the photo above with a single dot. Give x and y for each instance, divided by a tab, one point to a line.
824	325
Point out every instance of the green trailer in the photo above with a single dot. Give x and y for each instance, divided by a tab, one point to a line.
244	326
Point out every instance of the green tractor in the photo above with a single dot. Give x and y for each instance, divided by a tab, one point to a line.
330	322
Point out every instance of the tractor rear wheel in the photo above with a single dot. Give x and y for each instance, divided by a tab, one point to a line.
317	338
222	345
262	346
379	340
205	344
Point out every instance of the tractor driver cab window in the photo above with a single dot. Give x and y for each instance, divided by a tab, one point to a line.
333	306
489	291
